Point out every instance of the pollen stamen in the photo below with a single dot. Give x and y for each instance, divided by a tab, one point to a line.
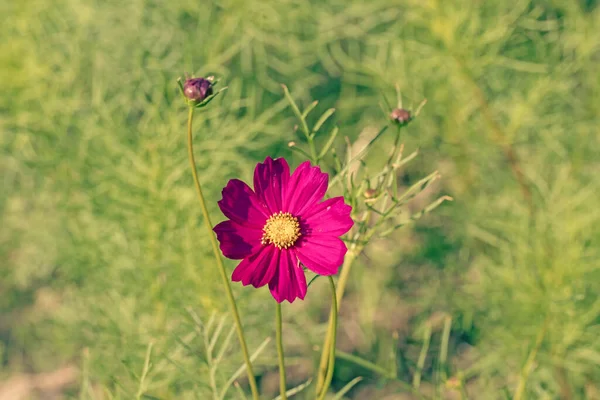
282	229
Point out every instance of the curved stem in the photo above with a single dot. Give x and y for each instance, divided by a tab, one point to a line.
221	267
333	315
322	371
278	335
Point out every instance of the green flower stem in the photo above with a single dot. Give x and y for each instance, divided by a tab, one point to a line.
396	147
322	371
215	247
278	328
333	318
353	252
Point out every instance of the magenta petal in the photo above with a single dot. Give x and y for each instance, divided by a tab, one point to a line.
237	241
270	180
306	187
258	269
323	255
289	283
331	217
240	204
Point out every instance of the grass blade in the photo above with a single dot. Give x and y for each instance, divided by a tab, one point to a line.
241	369
142	385
295	390
322	120
310	108
422	357
296	111
329	143
339	395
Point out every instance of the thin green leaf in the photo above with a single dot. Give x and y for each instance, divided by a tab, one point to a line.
420	107
147	364
422	357
242	368
240	392
323	119
363	363
409	158
337	162
299	150
329	143
359	155
416	216
377	369
210	98
225	345
314	278
310	108
398	95
444	347
296	111
417	188
339	395
295	390
216	334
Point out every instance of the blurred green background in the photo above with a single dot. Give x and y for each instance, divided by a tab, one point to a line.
102	250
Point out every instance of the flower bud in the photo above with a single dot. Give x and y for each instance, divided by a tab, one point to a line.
370	193
453	383
401	116
197	89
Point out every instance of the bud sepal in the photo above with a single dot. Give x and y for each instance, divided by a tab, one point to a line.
198	92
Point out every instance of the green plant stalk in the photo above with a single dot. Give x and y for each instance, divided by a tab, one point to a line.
444	347
141	387
85	375
422	357
333	318
279	340
519	392
221	267
211	367
350	257
389	177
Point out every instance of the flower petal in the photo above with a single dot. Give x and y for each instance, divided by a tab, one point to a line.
242	205
322	254
237	241
257	269
289	283
306	187
270	180
331	217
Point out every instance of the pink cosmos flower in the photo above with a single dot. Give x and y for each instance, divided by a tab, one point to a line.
281	224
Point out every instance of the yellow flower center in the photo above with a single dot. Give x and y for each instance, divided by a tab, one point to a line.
282	229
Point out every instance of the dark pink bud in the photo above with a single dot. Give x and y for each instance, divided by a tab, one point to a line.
401	116
197	89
